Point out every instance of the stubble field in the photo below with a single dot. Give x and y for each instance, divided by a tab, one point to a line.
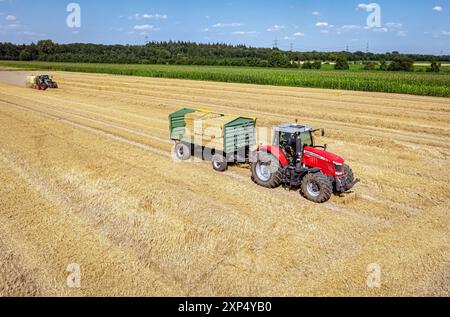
86	177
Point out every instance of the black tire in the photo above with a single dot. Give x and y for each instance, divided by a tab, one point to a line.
276	171
219	163
349	177
317	188
182	152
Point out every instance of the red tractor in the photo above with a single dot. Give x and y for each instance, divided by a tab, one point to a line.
294	161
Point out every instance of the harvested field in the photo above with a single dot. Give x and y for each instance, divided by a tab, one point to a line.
87	178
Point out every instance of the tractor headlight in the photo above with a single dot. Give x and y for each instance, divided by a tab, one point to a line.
339	168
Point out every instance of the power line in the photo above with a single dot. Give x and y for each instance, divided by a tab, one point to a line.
275	43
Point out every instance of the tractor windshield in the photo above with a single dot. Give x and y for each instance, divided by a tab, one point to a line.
307	139
282	139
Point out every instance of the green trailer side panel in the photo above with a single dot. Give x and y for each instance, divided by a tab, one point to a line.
177	123
239	133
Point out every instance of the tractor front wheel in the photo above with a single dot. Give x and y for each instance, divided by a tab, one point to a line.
316	187
349	177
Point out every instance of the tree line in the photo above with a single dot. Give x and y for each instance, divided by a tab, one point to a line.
189	53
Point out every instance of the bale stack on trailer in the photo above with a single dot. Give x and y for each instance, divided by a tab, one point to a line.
30	81
226	138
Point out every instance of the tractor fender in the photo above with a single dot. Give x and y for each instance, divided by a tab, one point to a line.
277	152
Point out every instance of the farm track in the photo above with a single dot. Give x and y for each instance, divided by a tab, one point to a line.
89	180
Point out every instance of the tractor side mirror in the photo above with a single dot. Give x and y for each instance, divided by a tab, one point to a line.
325	147
322	132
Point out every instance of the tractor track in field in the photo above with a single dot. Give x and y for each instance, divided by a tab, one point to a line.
273	91
300	98
333	207
368	130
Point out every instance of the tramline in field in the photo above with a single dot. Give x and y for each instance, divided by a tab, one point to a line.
293	160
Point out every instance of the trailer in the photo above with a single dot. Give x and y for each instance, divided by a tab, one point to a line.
221	138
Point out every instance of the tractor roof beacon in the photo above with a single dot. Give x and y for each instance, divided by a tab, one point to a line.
292	128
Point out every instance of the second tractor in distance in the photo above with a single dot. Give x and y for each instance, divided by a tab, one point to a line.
40	82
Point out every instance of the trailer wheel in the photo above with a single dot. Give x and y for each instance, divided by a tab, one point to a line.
219	163
316	187
182	152
267	172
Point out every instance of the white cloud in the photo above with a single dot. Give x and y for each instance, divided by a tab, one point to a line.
146	27
438	8
350	27
446	33
322	24
324	31
11	26
394	25
402	33
299	34
380	30
289	38
276	28
11	18
245	33
205	30
154	16
316	13
364	6
227	25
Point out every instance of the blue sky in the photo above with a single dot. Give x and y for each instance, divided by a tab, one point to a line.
418	26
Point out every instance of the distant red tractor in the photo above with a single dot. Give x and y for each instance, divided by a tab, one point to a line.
295	161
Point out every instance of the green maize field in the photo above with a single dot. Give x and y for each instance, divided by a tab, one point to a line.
414	83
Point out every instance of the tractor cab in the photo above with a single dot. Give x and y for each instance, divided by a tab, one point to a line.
48	81
292	139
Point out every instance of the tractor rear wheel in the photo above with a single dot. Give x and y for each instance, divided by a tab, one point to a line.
267	171
316	187
219	163
182	152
